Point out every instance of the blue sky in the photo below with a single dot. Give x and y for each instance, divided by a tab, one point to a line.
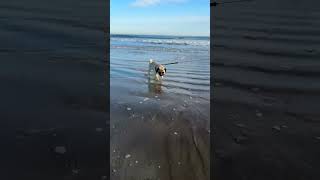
160	17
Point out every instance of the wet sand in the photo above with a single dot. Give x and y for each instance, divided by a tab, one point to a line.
160	139
266	90
53	93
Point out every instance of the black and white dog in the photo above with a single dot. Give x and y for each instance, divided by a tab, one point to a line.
156	71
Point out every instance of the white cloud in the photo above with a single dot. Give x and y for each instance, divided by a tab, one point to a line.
146	3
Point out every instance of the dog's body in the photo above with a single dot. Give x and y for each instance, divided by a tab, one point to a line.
156	71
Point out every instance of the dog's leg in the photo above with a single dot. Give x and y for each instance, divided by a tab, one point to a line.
150	70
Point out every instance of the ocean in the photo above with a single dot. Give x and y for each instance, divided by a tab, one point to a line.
130	55
162	126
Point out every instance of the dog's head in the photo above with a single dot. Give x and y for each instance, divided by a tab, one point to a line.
161	70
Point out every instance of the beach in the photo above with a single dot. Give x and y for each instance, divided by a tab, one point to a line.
264	86
159	129
265	90
53	94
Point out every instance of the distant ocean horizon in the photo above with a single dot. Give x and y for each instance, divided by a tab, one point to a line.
157	35
144	40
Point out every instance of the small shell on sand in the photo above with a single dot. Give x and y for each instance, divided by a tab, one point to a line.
127	156
259	114
129	109
75	171
276	128
60	150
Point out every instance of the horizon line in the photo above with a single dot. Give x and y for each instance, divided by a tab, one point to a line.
160	35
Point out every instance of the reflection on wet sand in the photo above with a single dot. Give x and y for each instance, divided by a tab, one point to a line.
154	87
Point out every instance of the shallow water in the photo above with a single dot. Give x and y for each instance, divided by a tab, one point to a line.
159	130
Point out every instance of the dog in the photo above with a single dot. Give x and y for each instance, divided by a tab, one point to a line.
156	71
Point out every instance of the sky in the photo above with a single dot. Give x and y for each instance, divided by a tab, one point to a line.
160	17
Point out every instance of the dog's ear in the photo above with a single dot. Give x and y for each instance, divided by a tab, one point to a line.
157	69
